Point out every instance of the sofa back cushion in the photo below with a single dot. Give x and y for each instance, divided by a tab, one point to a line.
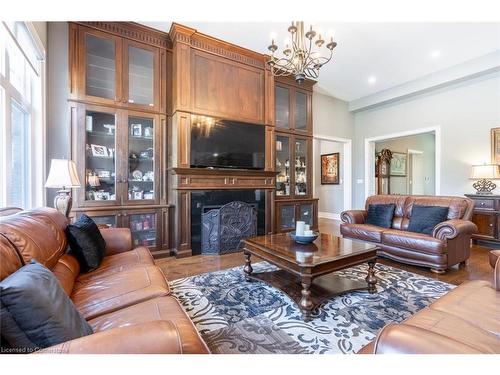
33	234
459	207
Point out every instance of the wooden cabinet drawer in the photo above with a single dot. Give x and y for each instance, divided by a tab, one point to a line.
486	224
484	204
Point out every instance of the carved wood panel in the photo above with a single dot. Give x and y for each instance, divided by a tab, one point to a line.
223	88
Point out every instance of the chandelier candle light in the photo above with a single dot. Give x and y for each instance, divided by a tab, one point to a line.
299	59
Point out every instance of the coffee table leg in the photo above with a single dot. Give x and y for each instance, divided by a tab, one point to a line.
371	279
306	303
248	266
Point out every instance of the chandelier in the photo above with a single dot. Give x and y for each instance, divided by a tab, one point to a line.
298	58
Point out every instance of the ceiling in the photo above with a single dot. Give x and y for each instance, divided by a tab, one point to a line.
389	53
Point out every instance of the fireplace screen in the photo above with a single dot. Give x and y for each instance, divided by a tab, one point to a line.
223	228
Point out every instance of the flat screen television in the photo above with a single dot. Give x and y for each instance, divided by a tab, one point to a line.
227	144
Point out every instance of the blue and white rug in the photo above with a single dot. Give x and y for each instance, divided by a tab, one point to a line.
236	316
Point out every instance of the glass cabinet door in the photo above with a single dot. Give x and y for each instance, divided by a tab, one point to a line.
282	103
287	217
306	214
100	162
100	66
283	166
141	63
143	227
300	111
107	218
141	158
301	170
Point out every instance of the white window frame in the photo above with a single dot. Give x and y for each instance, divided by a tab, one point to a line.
37	126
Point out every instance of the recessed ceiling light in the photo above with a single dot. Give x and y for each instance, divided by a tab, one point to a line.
435	54
372	80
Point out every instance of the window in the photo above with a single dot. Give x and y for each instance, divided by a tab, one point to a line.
21	116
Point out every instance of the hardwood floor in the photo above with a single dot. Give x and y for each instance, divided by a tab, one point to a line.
477	269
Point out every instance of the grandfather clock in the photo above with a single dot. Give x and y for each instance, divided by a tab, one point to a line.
382	171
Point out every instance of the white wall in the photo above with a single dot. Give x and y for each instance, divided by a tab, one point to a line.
331	118
464	112
420	142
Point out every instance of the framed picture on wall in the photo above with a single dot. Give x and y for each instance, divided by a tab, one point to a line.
495	146
398	164
330	169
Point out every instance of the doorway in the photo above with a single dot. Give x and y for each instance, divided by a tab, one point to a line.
414	167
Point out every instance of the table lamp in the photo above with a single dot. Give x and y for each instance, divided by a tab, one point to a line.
63	175
484	173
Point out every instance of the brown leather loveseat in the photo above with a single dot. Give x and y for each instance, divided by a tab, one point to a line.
466	320
126	300
448	245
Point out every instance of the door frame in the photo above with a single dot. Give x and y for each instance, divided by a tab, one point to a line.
347	166
369	144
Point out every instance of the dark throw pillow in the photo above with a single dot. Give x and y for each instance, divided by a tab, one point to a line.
86	243
35	312
423	219
380	215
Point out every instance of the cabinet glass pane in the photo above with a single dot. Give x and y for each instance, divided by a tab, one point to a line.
140	76
108	220
282	103
100	164
301	167
143	228
283	166
141	158
306	214
287	217
300	111
100	67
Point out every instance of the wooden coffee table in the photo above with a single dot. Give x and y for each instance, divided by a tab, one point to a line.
306	271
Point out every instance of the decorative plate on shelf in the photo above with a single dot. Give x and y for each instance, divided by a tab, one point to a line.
137	174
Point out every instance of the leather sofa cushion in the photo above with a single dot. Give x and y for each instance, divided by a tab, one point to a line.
35	312
161	308
115	263
413	241
380	215
365	232
456	328
475	302
11	261
66	271
115	291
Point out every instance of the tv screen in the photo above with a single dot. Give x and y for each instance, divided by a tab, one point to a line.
227	144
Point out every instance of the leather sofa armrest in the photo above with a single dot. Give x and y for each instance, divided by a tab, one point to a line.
354	216
407	339
118	240
447	230
158	337
495	263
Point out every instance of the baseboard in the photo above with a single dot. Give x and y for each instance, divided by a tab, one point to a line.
329	215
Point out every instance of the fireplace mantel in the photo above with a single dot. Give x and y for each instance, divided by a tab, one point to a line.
206	179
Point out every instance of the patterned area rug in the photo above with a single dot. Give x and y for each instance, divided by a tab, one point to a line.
236	316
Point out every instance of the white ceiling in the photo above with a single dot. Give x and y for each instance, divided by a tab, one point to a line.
394	53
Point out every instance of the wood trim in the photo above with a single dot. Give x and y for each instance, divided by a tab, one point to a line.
182	136
73	60
181	78
222	172
290	81
133	31
184	222
270	158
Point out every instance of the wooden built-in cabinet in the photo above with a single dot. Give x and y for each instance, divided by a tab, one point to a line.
293	154
288	212
119	85
486	216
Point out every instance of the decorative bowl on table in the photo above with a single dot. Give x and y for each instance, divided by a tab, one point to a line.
304	240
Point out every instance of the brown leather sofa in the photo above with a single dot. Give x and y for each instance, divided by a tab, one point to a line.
465	320
126	300
448	245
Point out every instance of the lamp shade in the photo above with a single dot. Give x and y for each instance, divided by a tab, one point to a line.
487	171
62	174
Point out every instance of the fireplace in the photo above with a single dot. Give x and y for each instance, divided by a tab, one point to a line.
220	218
222	228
